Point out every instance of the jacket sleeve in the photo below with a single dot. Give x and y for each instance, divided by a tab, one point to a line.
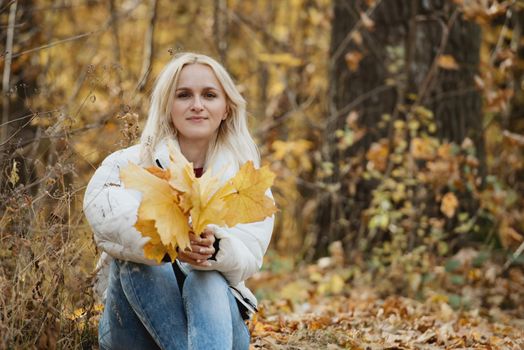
111	210
241	249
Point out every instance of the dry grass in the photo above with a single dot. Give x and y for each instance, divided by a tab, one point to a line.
46	262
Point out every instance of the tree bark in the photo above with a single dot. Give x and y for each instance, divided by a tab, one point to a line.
409	34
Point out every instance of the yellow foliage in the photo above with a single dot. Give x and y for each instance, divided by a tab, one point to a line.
444	151
447	62
154	249
509	237
160	204
377	156
13	177
244	195
449	204
294	153
334	285
181	174
285	59
422	148
353	59
276	88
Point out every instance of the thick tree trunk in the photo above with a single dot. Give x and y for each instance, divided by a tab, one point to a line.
399	42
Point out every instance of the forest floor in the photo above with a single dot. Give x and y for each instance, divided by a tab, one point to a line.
468	301
466	304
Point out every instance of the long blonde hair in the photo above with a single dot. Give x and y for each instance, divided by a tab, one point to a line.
233	134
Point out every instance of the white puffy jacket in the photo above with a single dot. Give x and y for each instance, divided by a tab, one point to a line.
111	210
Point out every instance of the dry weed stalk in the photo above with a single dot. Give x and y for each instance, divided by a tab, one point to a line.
46	255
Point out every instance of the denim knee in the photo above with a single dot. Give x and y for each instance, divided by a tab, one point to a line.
204	282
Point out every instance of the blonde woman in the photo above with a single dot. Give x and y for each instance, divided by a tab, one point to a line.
200	301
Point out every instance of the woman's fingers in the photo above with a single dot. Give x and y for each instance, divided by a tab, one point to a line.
204	242
208	232
194	258
206	239
201	248
208	236
197	254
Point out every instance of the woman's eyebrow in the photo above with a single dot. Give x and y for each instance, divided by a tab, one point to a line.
204	88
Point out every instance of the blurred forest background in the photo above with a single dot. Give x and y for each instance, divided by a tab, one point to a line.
395	128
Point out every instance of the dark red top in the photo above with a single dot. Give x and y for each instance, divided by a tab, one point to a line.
198	171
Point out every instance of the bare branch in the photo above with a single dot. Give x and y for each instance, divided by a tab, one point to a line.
6	6
148	46
72	38
502	34
347	39
257	28
295	108
94	48
514	256
426	85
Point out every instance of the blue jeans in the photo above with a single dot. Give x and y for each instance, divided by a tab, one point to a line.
144	309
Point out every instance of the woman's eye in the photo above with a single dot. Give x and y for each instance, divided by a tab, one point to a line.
182	95
210	95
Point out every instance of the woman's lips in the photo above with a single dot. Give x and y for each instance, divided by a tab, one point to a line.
196	118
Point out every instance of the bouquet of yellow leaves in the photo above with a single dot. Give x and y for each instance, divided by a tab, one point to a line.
174	197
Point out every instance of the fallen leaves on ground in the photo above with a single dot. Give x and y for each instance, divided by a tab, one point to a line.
321	306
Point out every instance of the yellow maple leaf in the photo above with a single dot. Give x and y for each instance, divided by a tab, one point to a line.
148	229
206	211
181	171
159	203
182	177
160	173
244	195
154	249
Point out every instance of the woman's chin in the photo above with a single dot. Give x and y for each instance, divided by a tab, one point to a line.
198	137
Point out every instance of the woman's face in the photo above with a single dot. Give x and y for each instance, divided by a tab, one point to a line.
199	104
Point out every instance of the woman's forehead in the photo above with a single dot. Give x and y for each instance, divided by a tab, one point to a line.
198	75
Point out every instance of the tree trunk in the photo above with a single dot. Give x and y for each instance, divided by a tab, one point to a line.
398	41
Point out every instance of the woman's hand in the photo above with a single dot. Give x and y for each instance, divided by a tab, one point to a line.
201	249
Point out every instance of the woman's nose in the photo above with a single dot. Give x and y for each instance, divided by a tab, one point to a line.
197	104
